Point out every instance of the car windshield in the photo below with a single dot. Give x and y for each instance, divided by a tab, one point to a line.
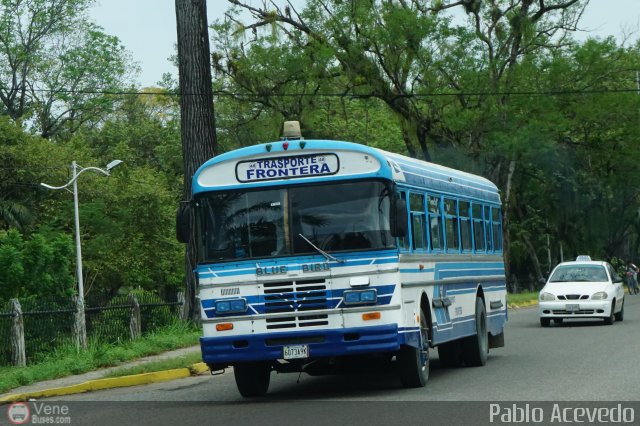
272	222
582	273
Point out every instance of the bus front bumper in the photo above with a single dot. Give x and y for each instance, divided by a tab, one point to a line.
321	343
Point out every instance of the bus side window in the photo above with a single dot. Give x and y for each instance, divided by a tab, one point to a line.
478	228
435	223
451	224
403	242
496	221
465	225
418	221
487	228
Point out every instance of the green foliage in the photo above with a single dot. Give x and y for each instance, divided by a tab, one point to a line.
54	63
66	360
36	266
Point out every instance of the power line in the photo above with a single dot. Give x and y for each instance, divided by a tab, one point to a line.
346	95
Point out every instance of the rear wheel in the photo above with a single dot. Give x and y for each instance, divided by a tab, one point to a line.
476	348
413	363
544	322
620	315
252	378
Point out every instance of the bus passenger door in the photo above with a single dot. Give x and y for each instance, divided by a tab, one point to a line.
442	302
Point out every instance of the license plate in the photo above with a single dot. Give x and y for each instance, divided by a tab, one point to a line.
295	352
573	307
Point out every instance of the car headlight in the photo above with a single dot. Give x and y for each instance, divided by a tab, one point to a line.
546	297
235	306
601	295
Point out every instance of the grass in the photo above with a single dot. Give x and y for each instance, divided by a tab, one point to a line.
524	298
150	367
66	360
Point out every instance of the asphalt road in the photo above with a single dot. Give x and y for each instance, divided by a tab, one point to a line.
578	361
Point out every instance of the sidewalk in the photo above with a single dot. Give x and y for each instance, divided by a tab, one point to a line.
95	380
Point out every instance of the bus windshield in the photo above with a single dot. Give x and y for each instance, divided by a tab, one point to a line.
269	222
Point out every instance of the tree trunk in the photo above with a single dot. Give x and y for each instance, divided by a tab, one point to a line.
197	119
18	348
506	206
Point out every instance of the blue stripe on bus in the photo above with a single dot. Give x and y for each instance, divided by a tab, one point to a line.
293	264
327	299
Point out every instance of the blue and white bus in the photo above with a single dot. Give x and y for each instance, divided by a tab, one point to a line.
315	254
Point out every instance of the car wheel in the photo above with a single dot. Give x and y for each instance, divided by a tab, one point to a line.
557	321
413	363
252	378
609	320
544	322
620	315
476	347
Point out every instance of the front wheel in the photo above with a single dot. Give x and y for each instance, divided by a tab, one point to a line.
620	315
609	320
413	362
544	322
476	347
252	378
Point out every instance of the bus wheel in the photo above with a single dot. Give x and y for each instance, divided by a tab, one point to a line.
476	347
252	378
413	362
450	354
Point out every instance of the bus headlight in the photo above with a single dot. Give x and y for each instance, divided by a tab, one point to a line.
360	297
234	306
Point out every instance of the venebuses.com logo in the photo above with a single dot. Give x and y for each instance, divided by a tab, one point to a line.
18	413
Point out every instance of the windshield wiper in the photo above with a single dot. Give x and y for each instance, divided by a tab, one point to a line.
322	252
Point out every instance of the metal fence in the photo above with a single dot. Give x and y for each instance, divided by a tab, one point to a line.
49	324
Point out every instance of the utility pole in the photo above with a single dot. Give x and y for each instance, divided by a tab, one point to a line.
197	120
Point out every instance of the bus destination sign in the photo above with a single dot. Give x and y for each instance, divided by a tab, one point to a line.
299	166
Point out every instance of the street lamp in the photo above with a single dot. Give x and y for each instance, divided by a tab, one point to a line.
74	181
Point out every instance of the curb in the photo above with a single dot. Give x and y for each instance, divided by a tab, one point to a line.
110	383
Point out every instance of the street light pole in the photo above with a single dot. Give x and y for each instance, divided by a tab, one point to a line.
81	325
76	215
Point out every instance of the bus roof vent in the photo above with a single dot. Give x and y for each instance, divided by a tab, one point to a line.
291	130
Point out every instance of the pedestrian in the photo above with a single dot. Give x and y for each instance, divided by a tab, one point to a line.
632	278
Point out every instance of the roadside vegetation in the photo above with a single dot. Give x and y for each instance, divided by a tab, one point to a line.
68	361
150	367
525	298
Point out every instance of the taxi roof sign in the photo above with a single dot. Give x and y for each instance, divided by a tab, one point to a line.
583	258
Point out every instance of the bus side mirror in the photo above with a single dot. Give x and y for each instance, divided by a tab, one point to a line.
183	222
399	219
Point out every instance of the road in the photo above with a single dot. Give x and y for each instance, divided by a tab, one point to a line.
576	361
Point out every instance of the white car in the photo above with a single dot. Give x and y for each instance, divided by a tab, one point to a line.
582	289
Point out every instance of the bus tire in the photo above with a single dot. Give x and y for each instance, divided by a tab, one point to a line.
413	362
450	354
252	378
476	347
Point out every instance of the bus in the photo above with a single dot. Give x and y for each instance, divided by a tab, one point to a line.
319	256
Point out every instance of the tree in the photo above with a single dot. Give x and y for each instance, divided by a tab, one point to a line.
55	65
196	112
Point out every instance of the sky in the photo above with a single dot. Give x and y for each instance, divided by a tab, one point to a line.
147	28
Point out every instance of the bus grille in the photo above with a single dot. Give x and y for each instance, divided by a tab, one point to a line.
295	296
